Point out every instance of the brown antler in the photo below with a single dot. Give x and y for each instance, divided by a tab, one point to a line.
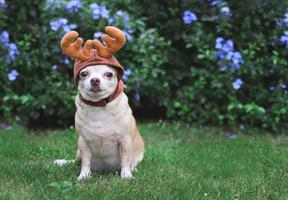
74	49
113	43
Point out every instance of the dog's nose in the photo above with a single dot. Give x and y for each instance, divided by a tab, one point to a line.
95	81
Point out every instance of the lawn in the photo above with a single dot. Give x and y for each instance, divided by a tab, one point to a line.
179	163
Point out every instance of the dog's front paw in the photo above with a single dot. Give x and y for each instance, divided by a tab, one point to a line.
126	174
83	175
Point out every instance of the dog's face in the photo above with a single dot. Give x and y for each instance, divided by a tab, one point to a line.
97	82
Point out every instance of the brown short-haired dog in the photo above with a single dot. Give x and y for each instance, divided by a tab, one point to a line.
108	135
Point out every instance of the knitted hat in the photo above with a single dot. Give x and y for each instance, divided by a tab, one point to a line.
87	56
95	59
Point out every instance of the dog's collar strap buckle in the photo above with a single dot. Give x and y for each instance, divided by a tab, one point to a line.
103	102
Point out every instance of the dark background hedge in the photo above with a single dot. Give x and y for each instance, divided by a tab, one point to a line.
176	70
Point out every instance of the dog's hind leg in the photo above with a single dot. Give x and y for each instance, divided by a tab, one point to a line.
136	161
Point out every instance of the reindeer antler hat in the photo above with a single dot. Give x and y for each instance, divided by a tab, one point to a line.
101	55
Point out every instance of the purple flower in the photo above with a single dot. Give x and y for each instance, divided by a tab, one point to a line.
72	26
216	2
285	20
111	20
284	39
62	23
98	34
73	6
237	60
228	46
237	84
280	22
223	68
226	55
219	43
283	85
137	96
58	23
3	4
226	11
231	136
13	75
66	61
189	17
127	73
53	4
54	67
4	38
123	15
94	7
7	127
99	11
272	87
104	12
69	27
128	35
220	55
13	51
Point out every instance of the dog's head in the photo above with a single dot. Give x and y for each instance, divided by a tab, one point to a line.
97	82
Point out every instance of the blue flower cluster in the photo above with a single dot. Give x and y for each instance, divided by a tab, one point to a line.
12	53
224	9
284	22
189	17
98	34
215	2
53	4
13	75
137	96
11	47
226	56
237	84
282	86
123	19
62	23
3	4
73	6
127	73
99	11
284	39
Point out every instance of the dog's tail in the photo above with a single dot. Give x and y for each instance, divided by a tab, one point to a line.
61	162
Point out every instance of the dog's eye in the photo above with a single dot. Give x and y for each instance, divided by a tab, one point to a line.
84	74
108	74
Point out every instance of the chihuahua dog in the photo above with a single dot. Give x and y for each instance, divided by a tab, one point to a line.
108	138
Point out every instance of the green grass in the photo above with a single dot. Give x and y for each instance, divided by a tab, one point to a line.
179	163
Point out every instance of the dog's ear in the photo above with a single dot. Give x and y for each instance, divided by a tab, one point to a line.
72	46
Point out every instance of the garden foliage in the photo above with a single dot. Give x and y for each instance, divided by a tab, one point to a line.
209	62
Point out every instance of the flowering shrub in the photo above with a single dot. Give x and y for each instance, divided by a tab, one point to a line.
208	62
37	78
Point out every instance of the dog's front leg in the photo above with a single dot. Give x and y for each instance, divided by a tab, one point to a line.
126	156
86	156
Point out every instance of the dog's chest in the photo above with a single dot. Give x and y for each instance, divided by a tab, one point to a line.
103	125
98	126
